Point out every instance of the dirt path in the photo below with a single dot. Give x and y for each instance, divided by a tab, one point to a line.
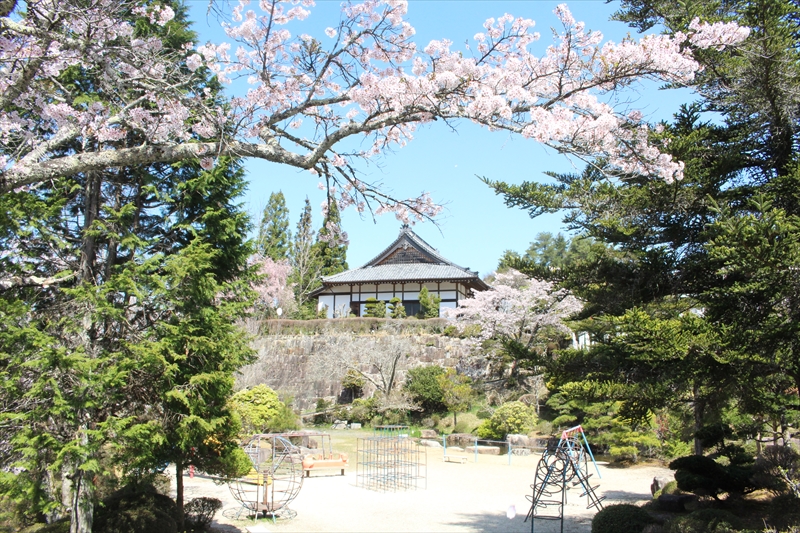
470	497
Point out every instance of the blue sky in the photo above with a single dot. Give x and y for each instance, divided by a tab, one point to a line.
475	227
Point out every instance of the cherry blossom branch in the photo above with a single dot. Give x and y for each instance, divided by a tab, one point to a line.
307	98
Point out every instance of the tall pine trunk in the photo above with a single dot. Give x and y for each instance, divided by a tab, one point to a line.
699	407
179	492
82	495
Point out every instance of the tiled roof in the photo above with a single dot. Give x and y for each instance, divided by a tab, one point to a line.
407	272
431	267
412	239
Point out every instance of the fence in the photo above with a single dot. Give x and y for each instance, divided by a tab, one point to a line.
474	447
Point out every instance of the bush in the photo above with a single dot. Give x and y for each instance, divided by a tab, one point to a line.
429	304
705	477
511	417
622	518
363	410
669	488
705	521
375	308
199	513
396	308
261	411
136	510
467	423
425	388
776	464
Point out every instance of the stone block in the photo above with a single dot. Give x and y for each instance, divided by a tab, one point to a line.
485	450
428	434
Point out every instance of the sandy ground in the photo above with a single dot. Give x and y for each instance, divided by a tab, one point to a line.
469	497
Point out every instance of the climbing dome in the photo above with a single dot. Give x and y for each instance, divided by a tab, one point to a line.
275	479
564	462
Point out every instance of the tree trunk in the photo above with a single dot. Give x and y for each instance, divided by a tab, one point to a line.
82	503
699	407
82	494
179	492
454	420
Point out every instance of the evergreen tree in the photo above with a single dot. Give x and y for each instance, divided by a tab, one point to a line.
396	308
306	263
428	304
718	243
89	251
331	248
274	238
375	308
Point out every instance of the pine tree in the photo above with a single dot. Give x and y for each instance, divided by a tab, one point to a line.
101	253
274	238
332	251
305	261
428	304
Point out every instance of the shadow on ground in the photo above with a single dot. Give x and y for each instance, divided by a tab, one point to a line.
499	523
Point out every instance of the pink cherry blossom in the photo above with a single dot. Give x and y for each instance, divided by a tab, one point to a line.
517	308
306	97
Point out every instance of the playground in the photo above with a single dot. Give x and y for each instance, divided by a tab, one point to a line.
487	496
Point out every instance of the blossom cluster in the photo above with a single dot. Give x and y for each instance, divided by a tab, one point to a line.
517	307
307	95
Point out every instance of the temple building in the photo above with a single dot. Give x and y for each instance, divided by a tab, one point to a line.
401	270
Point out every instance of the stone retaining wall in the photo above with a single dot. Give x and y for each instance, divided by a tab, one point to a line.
286	363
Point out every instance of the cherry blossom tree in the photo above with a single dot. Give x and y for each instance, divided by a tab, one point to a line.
308	95
273	290
516	320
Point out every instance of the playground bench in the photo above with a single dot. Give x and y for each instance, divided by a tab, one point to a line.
320	461
461	459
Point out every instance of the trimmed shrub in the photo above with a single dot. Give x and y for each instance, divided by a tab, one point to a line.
375	308
199	513
261	411
511	417
136	510
705	521
622	518
705	477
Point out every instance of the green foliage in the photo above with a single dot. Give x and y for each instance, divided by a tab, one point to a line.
364	411
777	469
429	304
467	423
621	518
457	393
425	389
199	513
548	255
396	308
136	510
511	417
375	308
332	254
706	477
353	380
274	238
705	521
261	411
607	431
306	264
669	488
